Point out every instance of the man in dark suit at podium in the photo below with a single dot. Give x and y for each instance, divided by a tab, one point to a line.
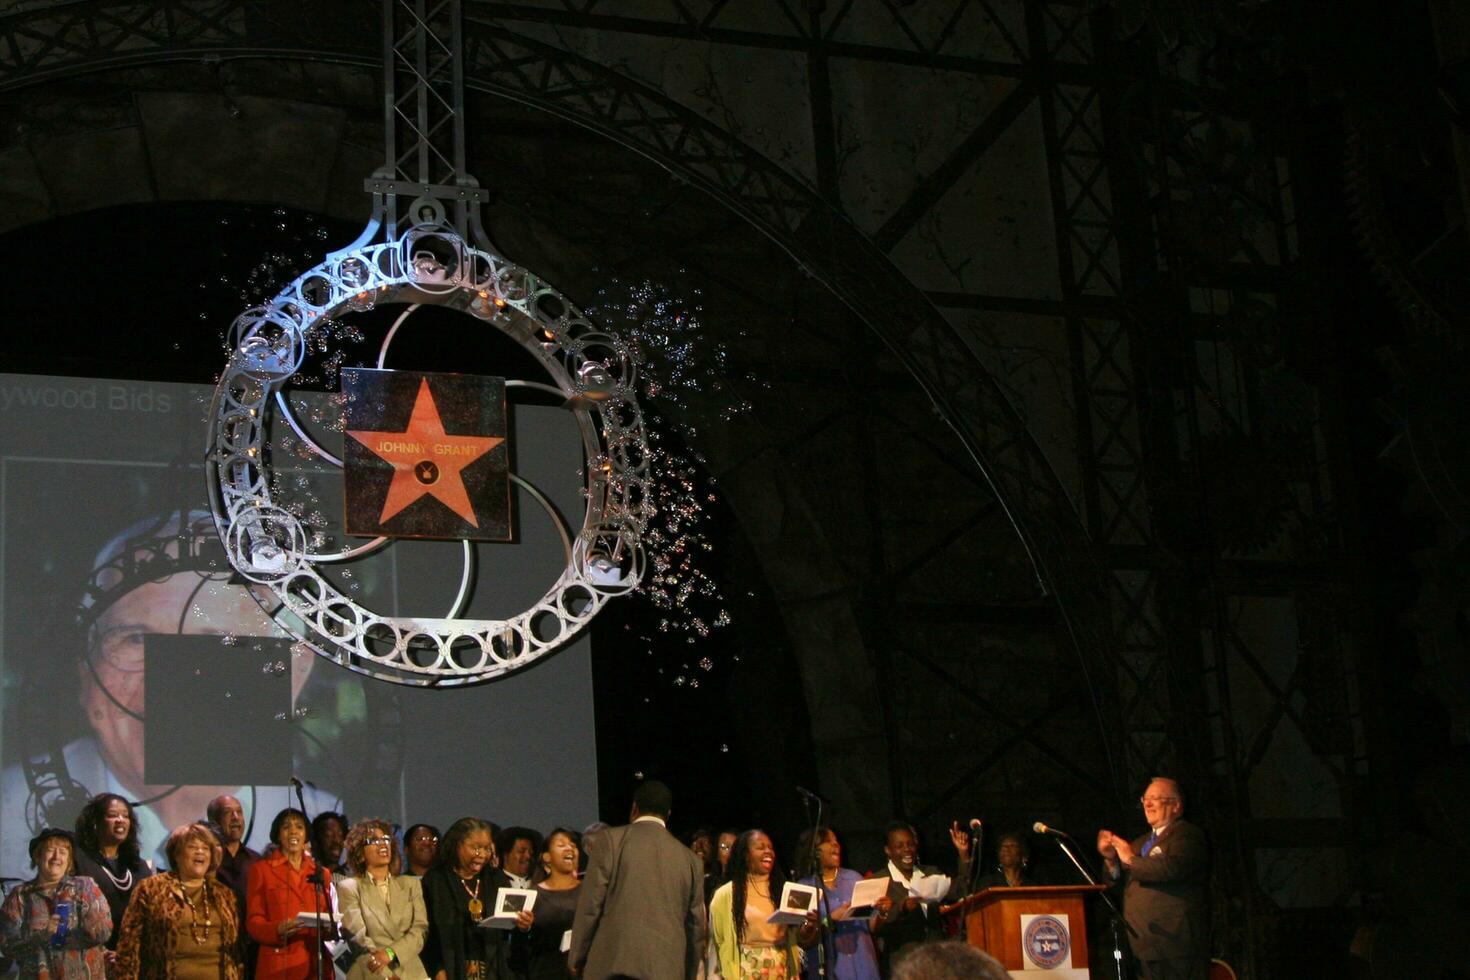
1166	878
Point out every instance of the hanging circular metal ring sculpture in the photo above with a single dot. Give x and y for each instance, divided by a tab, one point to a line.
267	544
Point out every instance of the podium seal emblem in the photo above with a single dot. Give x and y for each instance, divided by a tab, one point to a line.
1046	942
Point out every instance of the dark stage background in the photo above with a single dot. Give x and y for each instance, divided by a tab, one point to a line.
1072	392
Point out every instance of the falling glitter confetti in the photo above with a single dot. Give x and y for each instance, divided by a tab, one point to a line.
678	362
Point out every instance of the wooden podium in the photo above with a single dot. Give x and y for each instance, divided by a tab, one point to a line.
992	920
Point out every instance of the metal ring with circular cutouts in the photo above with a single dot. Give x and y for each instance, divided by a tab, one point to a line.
266	543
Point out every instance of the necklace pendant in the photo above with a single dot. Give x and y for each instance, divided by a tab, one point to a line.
476	907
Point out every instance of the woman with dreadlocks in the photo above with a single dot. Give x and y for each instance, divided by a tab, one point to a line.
745	944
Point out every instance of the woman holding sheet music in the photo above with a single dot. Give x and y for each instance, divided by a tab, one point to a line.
282	885
460	892
744	942
850	951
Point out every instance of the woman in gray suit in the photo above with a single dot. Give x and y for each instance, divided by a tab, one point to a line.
382	911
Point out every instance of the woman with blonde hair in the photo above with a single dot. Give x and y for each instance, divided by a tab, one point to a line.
32	930
183	924
382	909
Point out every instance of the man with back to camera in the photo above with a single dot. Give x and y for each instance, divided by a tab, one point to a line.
1166	878
641	909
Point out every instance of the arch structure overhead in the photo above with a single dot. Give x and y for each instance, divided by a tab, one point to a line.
49	43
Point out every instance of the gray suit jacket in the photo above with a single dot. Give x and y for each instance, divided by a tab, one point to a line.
1166	895
641	909
401	924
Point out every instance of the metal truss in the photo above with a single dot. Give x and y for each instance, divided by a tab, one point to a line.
1186	250
1172	371
1117	682
911	37
1104	348
1102	216
803	223
1294	565
423	115
1054	51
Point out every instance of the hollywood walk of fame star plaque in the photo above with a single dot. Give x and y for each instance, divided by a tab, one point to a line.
426	455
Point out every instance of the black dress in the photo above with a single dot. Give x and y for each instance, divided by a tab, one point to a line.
555	911
118	879
455	944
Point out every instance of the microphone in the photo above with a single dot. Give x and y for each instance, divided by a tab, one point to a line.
1042	828
295	782
977	841
808	794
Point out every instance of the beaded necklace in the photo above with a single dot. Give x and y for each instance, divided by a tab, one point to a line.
199	933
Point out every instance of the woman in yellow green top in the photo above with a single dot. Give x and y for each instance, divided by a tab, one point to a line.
745	945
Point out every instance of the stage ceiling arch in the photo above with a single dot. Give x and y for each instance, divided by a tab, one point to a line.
835	600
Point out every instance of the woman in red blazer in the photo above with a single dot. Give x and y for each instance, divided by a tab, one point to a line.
278	889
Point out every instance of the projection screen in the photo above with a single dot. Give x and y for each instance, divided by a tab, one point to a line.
134	663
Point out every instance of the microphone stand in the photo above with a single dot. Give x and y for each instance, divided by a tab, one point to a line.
1119	923
977	845
318	889
825	955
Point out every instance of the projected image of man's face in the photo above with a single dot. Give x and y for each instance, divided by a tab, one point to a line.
112	690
